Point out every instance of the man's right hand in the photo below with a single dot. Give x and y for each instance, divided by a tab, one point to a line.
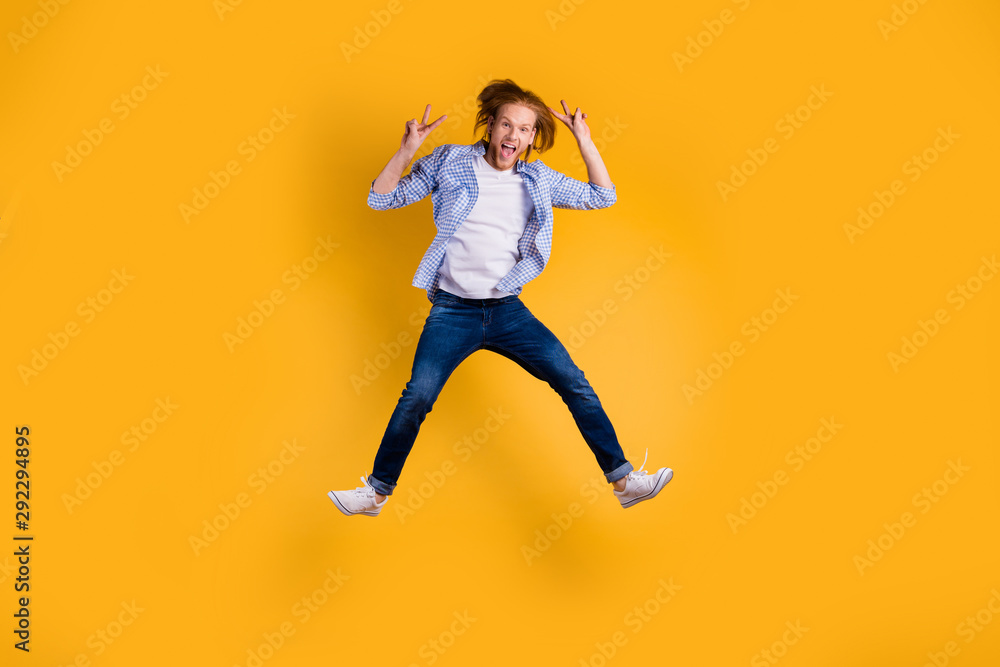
416	132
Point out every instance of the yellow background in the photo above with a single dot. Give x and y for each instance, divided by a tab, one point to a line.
669	134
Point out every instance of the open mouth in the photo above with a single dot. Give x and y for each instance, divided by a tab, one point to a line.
507	149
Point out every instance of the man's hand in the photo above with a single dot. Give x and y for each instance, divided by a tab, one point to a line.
414	135
416	132
597	173
575	122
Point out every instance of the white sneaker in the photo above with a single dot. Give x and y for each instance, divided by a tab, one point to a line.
640	485
358	501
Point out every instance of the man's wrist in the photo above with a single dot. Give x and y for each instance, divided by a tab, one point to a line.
404	156
587	146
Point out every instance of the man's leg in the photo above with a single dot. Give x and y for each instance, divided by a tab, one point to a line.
451	332
516	333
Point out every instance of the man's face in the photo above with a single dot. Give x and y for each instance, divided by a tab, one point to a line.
511	132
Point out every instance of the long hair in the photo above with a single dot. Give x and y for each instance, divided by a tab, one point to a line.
499	92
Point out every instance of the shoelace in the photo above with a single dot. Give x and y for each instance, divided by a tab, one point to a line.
367	489
640	472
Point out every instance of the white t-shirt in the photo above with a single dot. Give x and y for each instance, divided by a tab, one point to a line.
484	249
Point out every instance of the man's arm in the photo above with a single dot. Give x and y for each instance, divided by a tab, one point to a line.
388	178
419	182
597	173
409	189
568	192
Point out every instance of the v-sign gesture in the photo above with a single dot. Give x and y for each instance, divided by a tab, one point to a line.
575	122
414	135
416	132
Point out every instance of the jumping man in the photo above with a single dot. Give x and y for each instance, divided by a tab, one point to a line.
493	213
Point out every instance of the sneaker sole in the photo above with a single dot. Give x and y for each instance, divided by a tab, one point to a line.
665	477
346	511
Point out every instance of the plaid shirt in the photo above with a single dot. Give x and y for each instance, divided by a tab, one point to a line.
446	174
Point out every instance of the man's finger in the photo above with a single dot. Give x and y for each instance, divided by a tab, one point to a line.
437	122
567	119
427	114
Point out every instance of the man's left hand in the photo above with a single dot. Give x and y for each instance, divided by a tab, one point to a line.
576	122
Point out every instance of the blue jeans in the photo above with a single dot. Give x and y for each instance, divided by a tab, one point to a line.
455	328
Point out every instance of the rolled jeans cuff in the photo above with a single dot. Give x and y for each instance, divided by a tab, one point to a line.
615	474
380	486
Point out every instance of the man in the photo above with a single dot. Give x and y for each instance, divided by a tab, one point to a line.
493	213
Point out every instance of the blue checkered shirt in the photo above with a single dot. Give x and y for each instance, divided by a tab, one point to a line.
446	174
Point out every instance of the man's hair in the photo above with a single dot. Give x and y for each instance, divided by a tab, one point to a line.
499	92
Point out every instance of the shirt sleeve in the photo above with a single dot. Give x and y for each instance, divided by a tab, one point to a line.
568	192
411	188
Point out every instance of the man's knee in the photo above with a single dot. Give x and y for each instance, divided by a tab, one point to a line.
420	396
569	379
